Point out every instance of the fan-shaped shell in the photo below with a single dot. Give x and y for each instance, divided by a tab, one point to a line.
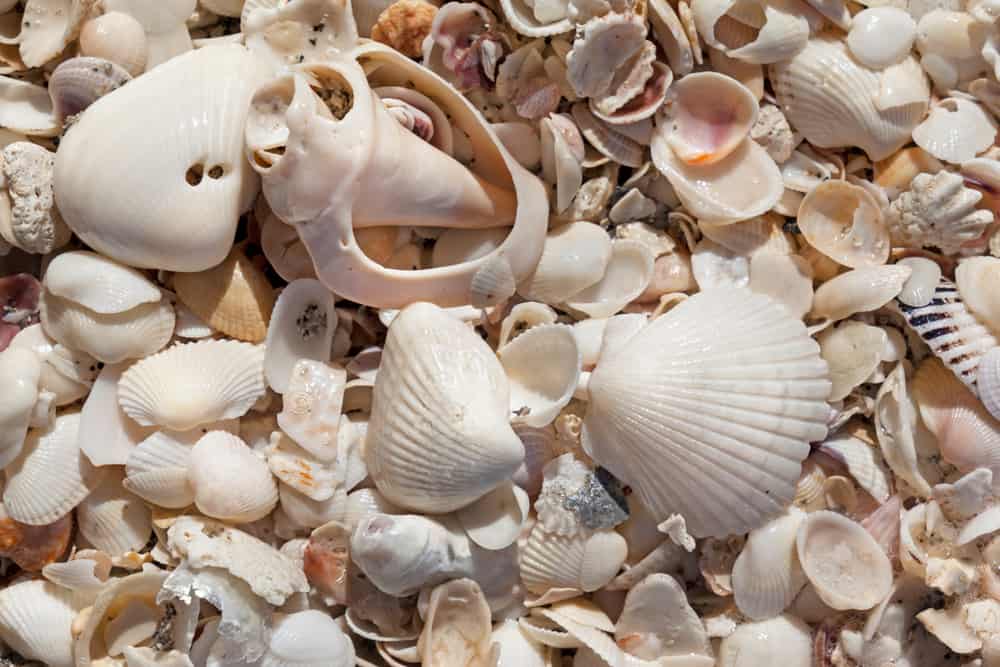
190	384
98	283
575	257
50	477
578	563
832	99
113	520
36	618
844	222
956	130
438	436
767	575
302	326
179	211
543	367
756	389
230	481
157	471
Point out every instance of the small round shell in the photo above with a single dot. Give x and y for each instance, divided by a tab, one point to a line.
576	563
709	114
230	481
956	130
117	37
881	36
844	222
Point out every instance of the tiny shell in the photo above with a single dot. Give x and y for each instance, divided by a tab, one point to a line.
230	481
859	291
956	130
79	82
577	564
302	326
863	463
157	471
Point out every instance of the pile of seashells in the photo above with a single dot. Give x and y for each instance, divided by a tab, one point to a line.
512	333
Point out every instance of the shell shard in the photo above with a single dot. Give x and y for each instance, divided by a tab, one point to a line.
702	411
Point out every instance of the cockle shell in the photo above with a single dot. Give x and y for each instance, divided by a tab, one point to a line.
229	480
572	564
575	256
784	638
190	384
862	461
98	283
200	171
767	575
301	327
832	99
157	471
36	619
117	37
234	297
465	446
113	520
859	291
50	477
640	372
20	371
658	622
844	222
844	563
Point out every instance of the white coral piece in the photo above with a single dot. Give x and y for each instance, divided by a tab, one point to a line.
939	211
32	222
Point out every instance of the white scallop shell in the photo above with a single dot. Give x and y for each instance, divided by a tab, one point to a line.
308	638
844	563
311	407
543	368
229	480
190	384
98	283
132	334
19	374
767	575
438	436
157	471
582	562
107	435
844	222
628	274
50	477
36	618
784	638
183	226
730	380
301	327
831	99
859	291
956	130
657	621
575	256
113	520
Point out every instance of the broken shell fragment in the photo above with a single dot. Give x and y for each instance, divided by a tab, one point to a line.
116	37
36	618
575	257
29	219
844	222
538	395
956	130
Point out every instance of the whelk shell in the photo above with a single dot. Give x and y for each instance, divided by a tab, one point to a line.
844	222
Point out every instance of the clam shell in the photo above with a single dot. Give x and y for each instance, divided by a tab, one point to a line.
308	638
628	274
956	130
438	436
79	82
234	297
458	627
575	256
609	140
852	351
844	563
113	520
582	562
157	471
844	222
831	99
190	384
494	521
117	37
709	115
98	283
27	108
20	371
859	291
36	618
194	182
229	480
951	331
132	334
881	36
301	327
784	638
543	368
658	622
50	477
728	393
919	288
767	575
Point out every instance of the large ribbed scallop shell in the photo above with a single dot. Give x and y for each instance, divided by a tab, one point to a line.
951	331
190	384
767	575
689	410
51	476
581	562
36	618
439	435
831	99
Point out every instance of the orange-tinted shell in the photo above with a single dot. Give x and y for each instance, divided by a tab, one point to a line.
33	547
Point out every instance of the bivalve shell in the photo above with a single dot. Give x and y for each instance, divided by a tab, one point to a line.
157	471
575	256
767	575
543	367
36	618
113	520
859	291
98	283
229	480
881	36
844	222
657	621
956	130
977	279
308	638
117	37
79	82
458	628
578	563
784	638
301	327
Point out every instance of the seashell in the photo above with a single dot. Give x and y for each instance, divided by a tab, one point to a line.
785	278
988	381
633	101
86	572
49	477
516	647
975	278
284	250
116	37
859	291
895	173
469	447
113	520
616	410
809	494
458	627
110	338
843	561
97	283
573	564
919	288
33	548
632	206
862	462
308	638
767	575
28	218
522	141
784	638
63	390
536	19
951	45
107	436
772	131
603	45
229	480
562	154
844	222
881	36
36	619
165	27
956	130
157	471
301	327
79	82
670	35
937	210
522	317
853	351
948	626
404	25
234	297
575	257
20	293
703	133
455	246
201	171
658	622
48	27
20	371
951	331
204	543
609	140
543	368
830	99
311	407
628	274
714	266
967	496
708	191
27	108
189	384
783	31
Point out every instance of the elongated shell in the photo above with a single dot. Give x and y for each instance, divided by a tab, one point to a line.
438	436
762	363
859	291
832	99
190	384
51	476
230	481
98	283
36	618
767	575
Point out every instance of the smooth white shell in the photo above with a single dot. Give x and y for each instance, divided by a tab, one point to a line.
784	638
575	257
230	481
98	283
301	327
956	130
767	575
543	367
881	36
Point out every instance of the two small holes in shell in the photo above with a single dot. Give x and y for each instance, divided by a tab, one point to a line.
197	172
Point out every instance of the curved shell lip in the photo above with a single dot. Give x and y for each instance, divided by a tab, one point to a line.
520	17
557	367
98	283
859	238
645	104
